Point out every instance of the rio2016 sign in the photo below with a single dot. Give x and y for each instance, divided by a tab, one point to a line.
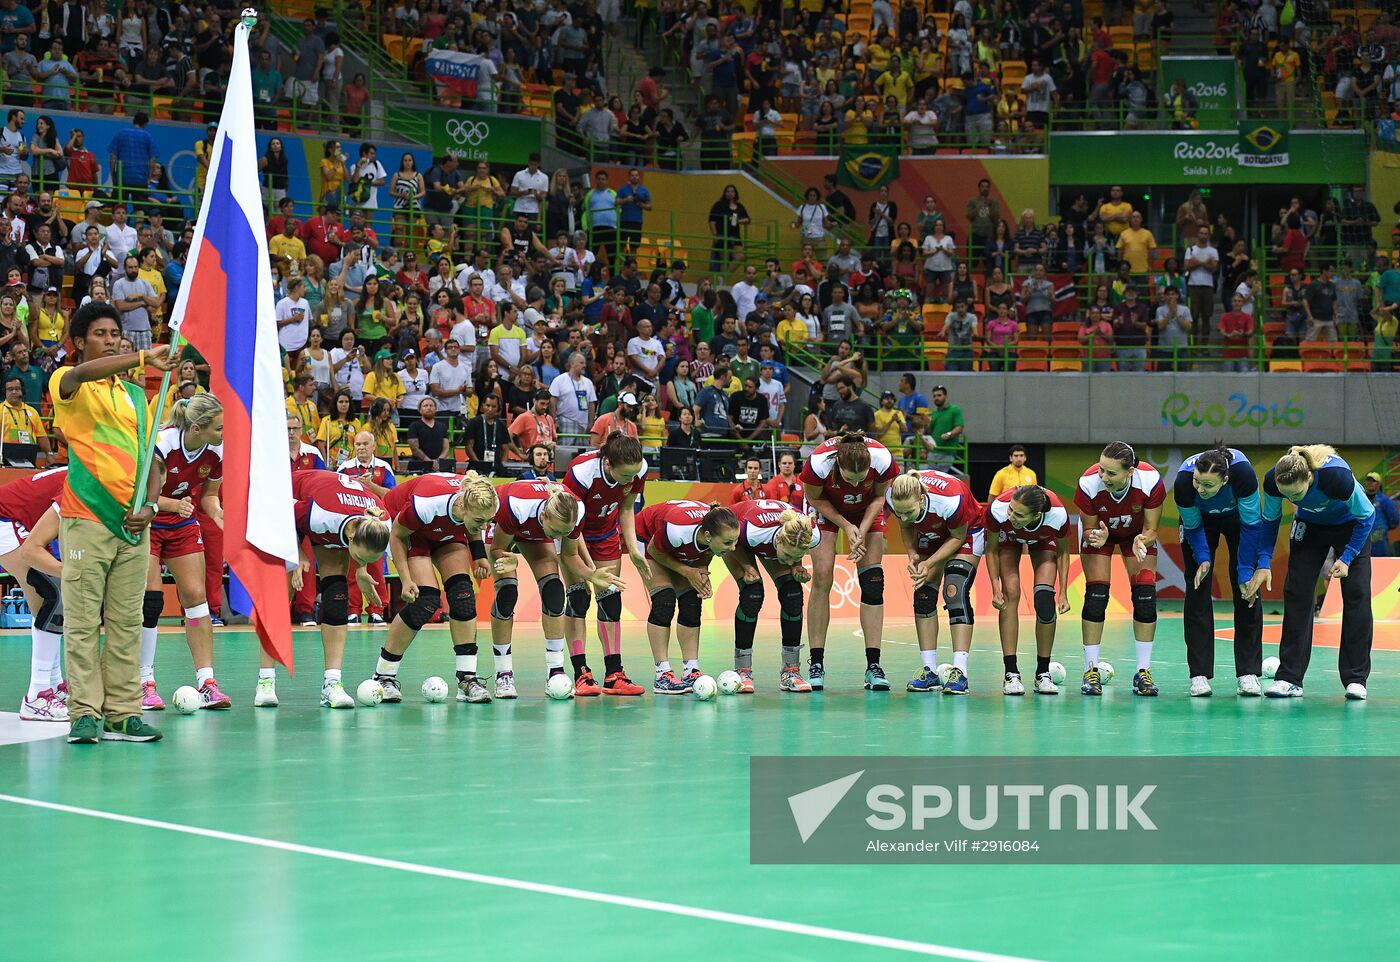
1182	410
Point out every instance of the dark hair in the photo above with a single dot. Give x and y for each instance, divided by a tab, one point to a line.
852	454
719	518
1122	452
14	378
1216	460
621	448
1032	496
91	311
1017	447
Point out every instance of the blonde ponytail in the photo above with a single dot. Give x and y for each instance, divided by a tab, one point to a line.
1314	454
796	532
907	487
371	533
195	412
1300	462
560	505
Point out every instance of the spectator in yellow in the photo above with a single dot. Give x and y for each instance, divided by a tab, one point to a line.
791	332
859	119
483	193
890	423
20	423
383	381
333	175
1285	65
152	272
896	83
1135	245
287	244
1014	474
301	404
1114	212
203	155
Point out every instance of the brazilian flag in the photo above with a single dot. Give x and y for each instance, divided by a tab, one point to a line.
867	166
1263	144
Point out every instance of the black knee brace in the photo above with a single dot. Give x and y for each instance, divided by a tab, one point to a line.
151	607
688	604
335	599
610	606
957	582
421	611
1145	604
507	591
1095	602
790	598
577	599
872	585
551	596
1045	611
49	617
461	598
926	601
750	600
663	607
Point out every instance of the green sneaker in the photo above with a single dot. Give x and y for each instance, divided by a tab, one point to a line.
84	731
133	729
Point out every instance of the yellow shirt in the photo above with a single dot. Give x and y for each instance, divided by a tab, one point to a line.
1135	247
100	424
479	192
733	387
858	127
653	430
310	418
390	388
1010	477
897	85
202	151
792	333
21	425
156	280
283	246
332	175
338	437
1109	209
1285	64
888	426
50	326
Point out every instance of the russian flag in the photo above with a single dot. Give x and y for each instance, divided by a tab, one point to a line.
225	310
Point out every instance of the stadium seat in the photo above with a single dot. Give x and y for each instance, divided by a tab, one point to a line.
1064	331
934	316
1273	330
1319	357
1357	356
935	355
1033	356
1066	357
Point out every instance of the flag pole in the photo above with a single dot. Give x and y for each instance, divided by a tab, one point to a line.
143	468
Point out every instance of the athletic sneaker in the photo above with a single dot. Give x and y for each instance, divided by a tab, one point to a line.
45	707
792	680
132	729
211	697
1011	684
375	620
150	698
215	621
265	695
875	679
505	684
668	684
1044	685
307	621
956	683
62	692
619	684
1356	691
1248	686
1284	689
393	693
816	675
334	695
85	730
689	678
745	681
1200	686
472	691
1092	685
585	686
925	681
1143	683
352	620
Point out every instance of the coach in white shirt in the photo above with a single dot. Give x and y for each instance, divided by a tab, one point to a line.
745	293
121	236
575	398
294	317
529	187
1201	262
451	378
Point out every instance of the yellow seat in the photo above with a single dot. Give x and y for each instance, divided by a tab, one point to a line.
1295	366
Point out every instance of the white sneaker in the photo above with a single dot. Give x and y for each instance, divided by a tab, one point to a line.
334	695
505	684
1200	686
1044	686
1012	685
1355	691
265	695
47	706
1249	686
1284	689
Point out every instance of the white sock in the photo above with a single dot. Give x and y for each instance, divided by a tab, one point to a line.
148	653
662	667
692	664
56	672
1091	656
1144	655
504	659
201	675
553	653
332	675
384	666
929	658
269	674
960	661
467	664
43	650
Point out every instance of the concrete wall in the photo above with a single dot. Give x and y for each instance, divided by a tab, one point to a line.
1244	409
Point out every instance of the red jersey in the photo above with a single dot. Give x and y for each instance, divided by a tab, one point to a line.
1121	513
600	497
24	500
850	500
186	473
948	504
1054	524
325	503
423	506
780	488
742	493
673	528
519	513
308	459
759	524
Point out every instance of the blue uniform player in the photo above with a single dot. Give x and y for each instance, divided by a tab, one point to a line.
1217	495
1331	513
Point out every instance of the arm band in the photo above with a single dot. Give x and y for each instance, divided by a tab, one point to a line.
478	550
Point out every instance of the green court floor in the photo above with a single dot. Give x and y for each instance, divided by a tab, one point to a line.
264	835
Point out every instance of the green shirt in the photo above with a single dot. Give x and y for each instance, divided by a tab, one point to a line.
702	319
941	421
744	370
266	85
33	379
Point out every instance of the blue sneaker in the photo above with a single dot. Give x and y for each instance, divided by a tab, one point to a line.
925	680
816	676
1092	685
956	683
875	679
1143	683
668	684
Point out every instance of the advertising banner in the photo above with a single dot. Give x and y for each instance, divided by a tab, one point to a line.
1213	81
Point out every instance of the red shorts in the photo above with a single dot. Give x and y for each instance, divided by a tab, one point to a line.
12	535
975	544
1115	544
876	527
423	548
167	543
606	548
1012	547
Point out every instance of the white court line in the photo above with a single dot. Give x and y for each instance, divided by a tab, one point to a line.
539	888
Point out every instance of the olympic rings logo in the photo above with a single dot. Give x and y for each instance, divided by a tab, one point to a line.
470	132
845	586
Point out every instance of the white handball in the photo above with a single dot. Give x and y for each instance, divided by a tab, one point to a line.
187	700
1105	672
370	693
1270	668
1057	673
435	689
944	670
559	686
705	688
729	682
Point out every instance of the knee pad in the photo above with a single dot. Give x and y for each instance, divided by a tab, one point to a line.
577	599
507	591
610	606
750	600
926	601
872	585
688	605
49	617
790	598
1045	610
335	599
663	607
151	607
957	581
1095	602
421	611
1145	603
551	596
196	612
461	598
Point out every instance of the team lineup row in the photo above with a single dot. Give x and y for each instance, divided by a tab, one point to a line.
447	532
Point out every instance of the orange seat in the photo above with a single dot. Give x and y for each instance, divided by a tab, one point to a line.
934	317
1357	356
1063	330
1066	357
1033	356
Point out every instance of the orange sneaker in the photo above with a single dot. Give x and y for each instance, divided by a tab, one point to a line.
792	680
746	681
619	684
585	686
